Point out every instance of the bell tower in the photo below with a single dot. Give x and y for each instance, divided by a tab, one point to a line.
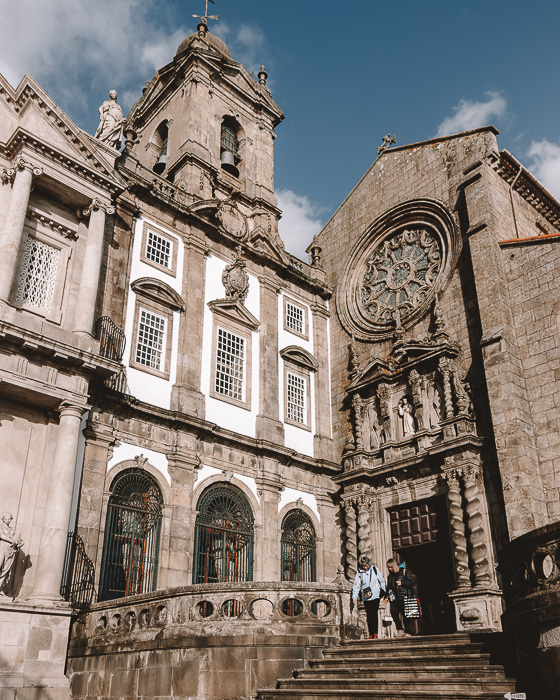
206	126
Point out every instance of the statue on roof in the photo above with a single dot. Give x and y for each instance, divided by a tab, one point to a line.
111	121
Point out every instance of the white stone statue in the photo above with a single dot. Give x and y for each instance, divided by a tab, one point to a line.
407	413
111	121
10	542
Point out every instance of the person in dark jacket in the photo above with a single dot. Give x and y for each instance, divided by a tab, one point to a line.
400	583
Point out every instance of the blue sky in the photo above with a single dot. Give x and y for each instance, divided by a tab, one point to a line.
344	75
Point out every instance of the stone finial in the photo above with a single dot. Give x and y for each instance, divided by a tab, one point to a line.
262	76
386	143
111	121
315	251
10	543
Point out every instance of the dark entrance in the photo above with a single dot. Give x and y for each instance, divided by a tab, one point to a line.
420	538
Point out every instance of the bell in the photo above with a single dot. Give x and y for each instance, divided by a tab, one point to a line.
161	164
228	163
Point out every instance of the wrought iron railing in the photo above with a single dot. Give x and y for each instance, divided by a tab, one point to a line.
78	577
118	382
111	338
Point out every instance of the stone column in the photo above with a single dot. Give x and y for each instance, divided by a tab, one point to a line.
91	267
182	470
10	240
268	425
477	535
54	534
351	564
457	527
268	550
186	395
364	529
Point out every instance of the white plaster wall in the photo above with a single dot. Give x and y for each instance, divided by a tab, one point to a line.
124	451
296	438
290	496
222	413
142	385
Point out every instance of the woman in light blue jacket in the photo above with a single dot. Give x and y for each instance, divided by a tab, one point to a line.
369	582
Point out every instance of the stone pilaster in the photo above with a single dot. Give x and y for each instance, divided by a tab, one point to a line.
323	429
10	237
268	424
52	548
350	540
457	527
182	470
364	528
267	559
91	267
186	395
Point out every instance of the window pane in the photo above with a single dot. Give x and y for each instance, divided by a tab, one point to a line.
230	358
38	274
151	334
158	249
294	318
296	398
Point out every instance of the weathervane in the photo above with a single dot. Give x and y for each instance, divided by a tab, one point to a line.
204	18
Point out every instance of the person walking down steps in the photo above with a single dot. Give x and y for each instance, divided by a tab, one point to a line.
400	585
370	585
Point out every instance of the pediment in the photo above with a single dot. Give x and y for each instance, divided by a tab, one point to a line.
299	356
263	242
42	125
235	311
158	291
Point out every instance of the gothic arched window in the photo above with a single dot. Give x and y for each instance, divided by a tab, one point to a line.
224	536
298	547
132	532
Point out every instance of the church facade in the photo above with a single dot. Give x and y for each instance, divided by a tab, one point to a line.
202	433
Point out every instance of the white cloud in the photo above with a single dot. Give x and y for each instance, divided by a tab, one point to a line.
545	164
299	223
247	44
470	115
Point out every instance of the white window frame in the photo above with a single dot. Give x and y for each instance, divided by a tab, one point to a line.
166	315
225	326
305	377
170	269
304	333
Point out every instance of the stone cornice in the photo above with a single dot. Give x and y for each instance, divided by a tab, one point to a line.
55	226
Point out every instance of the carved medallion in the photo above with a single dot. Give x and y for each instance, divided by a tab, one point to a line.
232	220
235	278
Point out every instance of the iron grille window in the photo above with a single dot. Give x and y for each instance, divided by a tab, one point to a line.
38	275
132	533
294	318
298	547
158	249
151	336
295	398
230	360
229	141
224	538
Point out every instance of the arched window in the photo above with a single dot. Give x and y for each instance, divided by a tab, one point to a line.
223	545
298	547
132	532
229	146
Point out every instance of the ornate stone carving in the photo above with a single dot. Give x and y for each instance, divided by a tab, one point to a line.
477	536
111	121
358	406
457	525
354	359
364	531
417	387
232	220
96	205
406	411
384	396
235	279
10	542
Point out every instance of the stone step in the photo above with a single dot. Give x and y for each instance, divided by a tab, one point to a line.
427	684
381	651
382	671
430	640
383	694
404	661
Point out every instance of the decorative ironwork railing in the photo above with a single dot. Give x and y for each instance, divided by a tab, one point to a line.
118	382
111	337
78	577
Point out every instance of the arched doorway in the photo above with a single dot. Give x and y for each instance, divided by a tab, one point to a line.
298	547
132	533
224	536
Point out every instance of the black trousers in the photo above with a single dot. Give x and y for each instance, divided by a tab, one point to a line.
397	613
371	607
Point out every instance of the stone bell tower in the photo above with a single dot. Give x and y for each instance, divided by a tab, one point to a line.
206	126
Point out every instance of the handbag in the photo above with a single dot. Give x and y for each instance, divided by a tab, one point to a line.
412	607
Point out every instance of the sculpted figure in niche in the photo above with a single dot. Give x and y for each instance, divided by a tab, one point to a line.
10	542
374	427
434	405
407	414
111	121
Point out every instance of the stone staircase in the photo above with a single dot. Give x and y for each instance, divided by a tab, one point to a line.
444	667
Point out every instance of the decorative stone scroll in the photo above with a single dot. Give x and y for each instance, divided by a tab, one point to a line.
395	269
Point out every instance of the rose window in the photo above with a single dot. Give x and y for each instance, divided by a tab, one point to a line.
400	275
